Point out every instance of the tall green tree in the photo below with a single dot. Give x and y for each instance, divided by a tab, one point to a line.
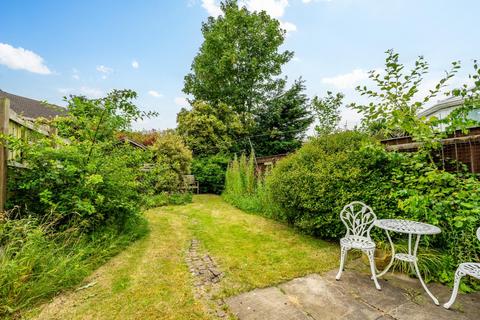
239	60
280	125
327	111
239	65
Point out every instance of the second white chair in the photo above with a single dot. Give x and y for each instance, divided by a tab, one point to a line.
359	220
464	269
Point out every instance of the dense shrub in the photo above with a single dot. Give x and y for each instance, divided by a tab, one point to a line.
445	199
210	172
172	160
65	187
312	185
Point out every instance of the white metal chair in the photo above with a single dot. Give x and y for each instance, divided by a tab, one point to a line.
467	268
359	219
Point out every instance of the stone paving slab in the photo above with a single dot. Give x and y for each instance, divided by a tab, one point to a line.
319	297
263	304
314	295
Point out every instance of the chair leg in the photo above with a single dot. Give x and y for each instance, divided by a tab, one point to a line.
371	258
458	278
343	256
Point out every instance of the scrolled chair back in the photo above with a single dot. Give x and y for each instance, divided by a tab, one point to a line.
358	218
478	233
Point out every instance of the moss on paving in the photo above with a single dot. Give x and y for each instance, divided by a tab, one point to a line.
150	279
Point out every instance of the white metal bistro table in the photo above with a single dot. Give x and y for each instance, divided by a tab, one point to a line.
411	228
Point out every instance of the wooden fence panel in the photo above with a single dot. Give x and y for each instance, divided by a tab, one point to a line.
463	148
4	121
19	127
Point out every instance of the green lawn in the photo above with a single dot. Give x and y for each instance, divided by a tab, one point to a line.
150	279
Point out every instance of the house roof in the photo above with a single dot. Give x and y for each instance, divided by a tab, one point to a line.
440	105
31	108
133	143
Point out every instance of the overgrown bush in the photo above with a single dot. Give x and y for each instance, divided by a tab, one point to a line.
172	160
448	200
210	172
63	187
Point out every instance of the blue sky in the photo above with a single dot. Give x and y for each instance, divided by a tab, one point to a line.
52	48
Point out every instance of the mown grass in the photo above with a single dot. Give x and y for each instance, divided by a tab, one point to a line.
254	251
150	279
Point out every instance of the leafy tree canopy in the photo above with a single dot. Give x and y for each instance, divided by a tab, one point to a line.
238	59
282	122
395	103
239	67
327	111
207	129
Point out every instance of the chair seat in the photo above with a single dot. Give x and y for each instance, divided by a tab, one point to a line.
357	242
470	268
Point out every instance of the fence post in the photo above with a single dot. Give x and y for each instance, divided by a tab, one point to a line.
4	120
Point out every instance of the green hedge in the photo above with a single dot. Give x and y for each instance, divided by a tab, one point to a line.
312	185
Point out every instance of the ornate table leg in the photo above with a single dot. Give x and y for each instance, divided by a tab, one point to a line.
415	266
391	259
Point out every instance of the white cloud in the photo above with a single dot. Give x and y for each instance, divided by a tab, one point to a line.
135	64
310	1
22	59
275	8
89	92
288	26
103	69
348	80
212	8
181	101
155	94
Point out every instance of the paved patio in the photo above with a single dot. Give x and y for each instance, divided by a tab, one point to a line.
354	297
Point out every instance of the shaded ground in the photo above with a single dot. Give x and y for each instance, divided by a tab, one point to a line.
316	297
156	278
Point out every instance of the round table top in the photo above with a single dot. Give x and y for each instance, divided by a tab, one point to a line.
407	226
